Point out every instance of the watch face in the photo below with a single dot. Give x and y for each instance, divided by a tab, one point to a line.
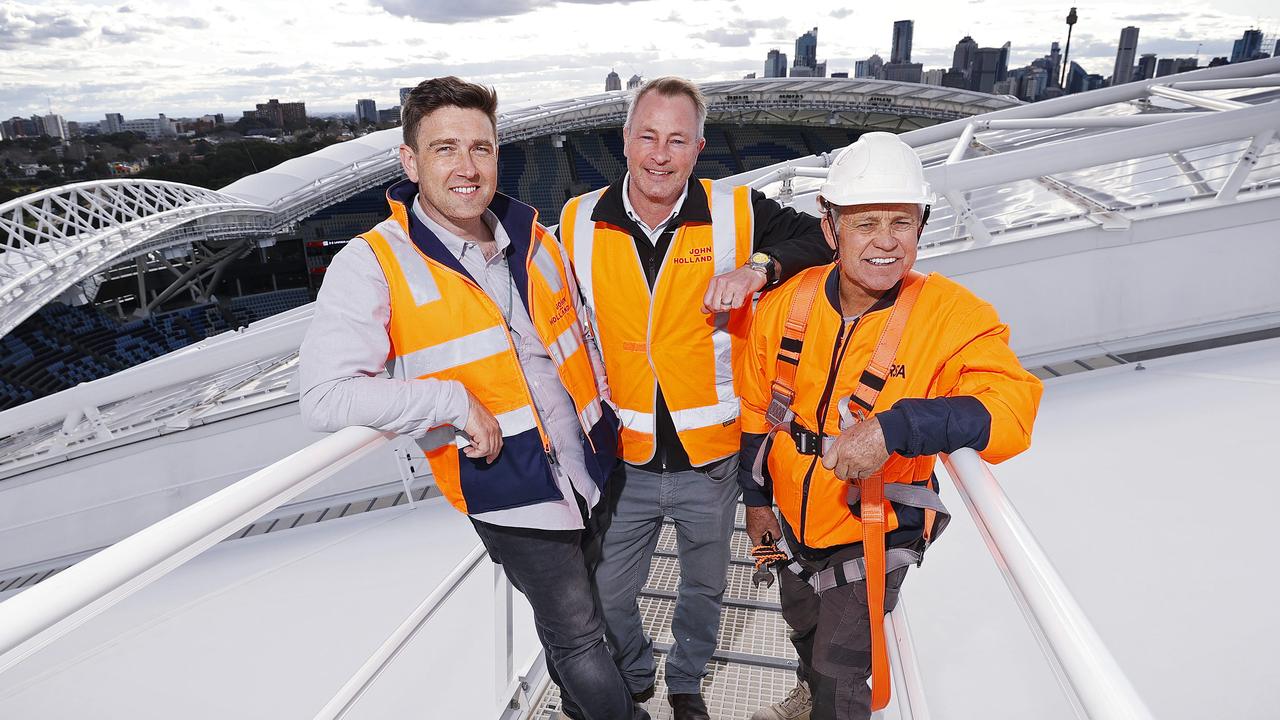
760	258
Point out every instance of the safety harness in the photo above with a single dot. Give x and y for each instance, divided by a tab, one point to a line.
872	491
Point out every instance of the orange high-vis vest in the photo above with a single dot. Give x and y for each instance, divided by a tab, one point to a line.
444	326
661	338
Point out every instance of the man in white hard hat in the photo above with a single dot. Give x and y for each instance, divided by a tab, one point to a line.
857	374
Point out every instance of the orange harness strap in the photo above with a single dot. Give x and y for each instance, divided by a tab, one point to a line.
872	488
783	390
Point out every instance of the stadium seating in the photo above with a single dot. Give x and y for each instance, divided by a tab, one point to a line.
61	346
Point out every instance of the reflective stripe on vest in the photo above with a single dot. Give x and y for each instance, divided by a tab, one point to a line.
444	327
707	431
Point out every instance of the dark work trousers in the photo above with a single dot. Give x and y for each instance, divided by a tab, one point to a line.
832	635
549	568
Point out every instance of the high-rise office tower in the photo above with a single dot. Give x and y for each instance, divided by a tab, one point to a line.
1055	64
634	82
807	49
1125	54
990	66
404	95
775	64
1076	79
114	123
962	59
612	81
1146	67
871	68
366	111
902	31
1248	47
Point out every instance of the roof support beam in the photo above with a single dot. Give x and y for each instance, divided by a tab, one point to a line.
1248	160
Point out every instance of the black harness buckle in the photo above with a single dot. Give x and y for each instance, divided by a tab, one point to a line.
807	443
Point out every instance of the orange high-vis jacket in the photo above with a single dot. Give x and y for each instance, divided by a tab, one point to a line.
446	327
954	346
662	338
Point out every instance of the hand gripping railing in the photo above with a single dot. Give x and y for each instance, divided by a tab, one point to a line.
36	617
1092	680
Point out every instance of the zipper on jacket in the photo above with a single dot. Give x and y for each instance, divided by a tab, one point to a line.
824	405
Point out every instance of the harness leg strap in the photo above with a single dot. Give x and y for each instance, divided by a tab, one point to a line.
874	554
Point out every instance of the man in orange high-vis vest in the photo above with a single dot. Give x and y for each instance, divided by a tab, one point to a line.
668	265
457	321
845	447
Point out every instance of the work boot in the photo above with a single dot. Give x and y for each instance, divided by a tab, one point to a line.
795	706
688	706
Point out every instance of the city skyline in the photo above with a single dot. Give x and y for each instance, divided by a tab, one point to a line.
91	58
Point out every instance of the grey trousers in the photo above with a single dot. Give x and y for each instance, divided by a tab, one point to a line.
832	635
702	507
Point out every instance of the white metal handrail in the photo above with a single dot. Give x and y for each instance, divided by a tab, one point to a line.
354	688
1092	680
36	617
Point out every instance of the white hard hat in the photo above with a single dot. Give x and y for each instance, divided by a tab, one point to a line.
878	168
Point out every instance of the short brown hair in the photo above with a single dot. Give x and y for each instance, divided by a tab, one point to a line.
431	95
671	86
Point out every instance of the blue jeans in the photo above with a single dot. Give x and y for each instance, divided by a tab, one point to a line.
548	567
702	506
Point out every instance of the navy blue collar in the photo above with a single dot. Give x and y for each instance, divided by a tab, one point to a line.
516	218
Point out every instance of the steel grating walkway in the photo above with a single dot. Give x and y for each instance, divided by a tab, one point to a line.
754	663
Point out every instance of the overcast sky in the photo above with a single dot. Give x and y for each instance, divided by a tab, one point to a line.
191	58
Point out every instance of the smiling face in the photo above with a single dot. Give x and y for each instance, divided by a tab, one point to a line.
455	165
662	145
877	245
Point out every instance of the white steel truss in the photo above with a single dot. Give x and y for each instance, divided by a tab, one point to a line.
59	237
1094	158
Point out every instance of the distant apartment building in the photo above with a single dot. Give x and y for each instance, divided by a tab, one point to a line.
288	116
634	82
18	127
113	124
904	72
933	77
389	116
53	125
366	111
404	95
156	128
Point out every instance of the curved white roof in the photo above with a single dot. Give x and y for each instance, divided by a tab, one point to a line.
877	104
270	186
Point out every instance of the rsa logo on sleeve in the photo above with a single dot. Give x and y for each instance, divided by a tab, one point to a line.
695	255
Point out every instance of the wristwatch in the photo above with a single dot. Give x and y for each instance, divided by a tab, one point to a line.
764	263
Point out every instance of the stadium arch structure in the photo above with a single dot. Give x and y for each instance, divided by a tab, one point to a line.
62	238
